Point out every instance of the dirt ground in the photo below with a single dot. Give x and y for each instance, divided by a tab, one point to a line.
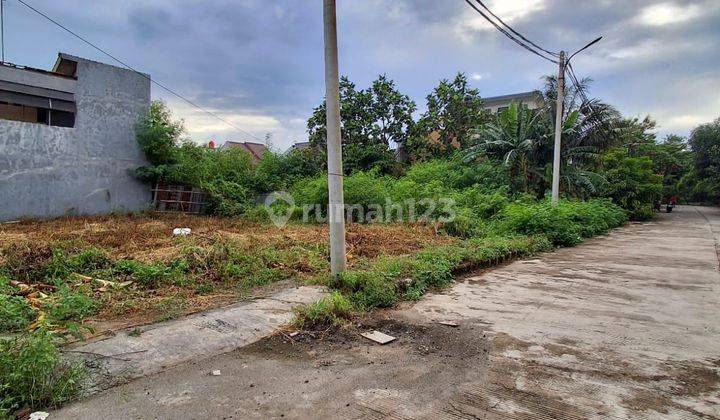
148	238
623	326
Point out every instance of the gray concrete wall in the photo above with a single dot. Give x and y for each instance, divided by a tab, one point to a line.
50	171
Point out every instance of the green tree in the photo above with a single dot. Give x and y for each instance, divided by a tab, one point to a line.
392	112
631	182
590	127
705	144
454	112
370	121
511	139
158	135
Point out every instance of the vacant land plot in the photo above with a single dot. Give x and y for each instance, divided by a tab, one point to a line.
622	327
133	270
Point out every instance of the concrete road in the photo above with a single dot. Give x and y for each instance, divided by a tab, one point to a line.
624	326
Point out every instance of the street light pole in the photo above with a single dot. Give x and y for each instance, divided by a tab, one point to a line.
558	129
336	211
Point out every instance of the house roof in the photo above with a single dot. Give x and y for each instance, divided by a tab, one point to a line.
301	145
522	96
256	150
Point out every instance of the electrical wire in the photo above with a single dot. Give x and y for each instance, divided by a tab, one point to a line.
514	31
167	89
507	34
576	82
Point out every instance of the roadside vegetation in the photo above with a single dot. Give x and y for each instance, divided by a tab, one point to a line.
70	277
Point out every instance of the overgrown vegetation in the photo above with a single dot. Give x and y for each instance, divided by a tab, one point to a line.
603	154
490	174
32	374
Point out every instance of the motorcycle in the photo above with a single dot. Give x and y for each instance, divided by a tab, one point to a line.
669	207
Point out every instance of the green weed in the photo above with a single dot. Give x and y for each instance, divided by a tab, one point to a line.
66	305
32	374
170	308
15	313
330	311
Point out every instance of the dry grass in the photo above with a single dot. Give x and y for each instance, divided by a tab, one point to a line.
149	239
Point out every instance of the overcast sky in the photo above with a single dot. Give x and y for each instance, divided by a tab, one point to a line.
259	63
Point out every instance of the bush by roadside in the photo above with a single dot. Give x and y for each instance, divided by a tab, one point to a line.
33	376
520	229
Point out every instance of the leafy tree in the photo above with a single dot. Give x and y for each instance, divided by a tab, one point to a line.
705	143
370	120
158	135
454	112
355	117
704	182
278	171
631	182
392	112
672	160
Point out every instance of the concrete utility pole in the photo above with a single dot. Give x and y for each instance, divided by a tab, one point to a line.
558	129
2	30
336	211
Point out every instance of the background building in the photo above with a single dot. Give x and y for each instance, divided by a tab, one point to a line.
530	100
67	139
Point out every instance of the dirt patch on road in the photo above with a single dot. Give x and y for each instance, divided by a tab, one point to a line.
454	343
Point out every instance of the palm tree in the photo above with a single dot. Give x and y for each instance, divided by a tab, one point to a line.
511	139
590	127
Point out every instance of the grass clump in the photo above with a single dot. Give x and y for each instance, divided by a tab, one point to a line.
565	224
368	289
15	313
66	305
150	276
32	374
330	311
171	308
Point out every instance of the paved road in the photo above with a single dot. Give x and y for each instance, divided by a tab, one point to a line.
622	326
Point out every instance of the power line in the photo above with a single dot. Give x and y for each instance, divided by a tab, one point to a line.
167	89
577	84
516	32
507	34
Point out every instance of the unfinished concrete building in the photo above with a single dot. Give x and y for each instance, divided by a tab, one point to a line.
67	139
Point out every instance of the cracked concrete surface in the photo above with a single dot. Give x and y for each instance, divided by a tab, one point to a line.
151	349
622	327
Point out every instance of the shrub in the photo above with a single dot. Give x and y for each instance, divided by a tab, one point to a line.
66	305
631	182
369	289
565	224
330	311
157	135
32	374
279	171
227	198
15	313
465	224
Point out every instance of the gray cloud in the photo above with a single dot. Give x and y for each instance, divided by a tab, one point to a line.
259	62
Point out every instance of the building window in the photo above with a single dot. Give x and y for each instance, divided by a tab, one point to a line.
36	96
38	115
